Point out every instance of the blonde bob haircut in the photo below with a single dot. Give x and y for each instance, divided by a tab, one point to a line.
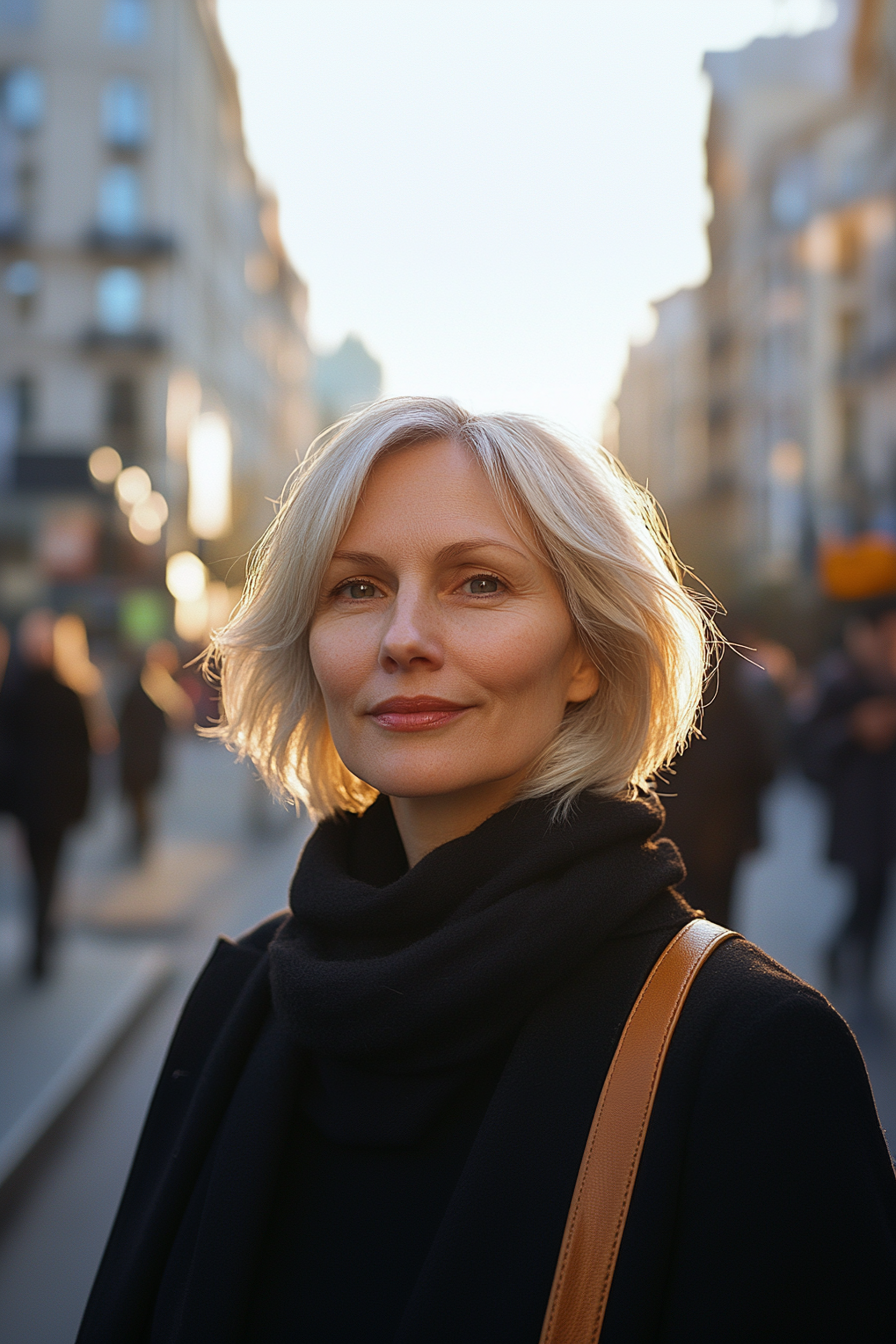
599	533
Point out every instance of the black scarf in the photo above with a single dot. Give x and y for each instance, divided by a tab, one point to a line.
391	989
398	981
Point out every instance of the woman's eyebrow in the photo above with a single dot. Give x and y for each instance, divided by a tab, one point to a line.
455	551
458	549
362	558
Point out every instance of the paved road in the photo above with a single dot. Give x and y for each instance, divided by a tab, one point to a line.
55	1217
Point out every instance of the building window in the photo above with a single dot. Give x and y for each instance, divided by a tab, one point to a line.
18	13
18	181
119	299
792	195
24	402
127	22
22	279
125	114
122	406
118	207
23	98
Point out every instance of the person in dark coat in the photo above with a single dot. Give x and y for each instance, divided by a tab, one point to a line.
6	795
47	751
466	647
153	703
851	751
712	800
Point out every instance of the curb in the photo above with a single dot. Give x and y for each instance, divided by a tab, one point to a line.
149	974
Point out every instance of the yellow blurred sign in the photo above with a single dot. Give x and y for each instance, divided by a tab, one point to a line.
860	567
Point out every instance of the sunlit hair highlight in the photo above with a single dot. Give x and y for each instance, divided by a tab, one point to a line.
602	537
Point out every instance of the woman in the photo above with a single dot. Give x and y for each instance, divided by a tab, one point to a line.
465	647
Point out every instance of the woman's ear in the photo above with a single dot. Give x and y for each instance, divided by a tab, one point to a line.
584	681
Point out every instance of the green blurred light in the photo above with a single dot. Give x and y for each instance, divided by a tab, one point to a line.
144	615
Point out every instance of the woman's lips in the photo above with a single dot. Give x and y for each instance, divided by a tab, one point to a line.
414	714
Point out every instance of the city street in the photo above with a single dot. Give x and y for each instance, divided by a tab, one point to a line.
246	335
57	1208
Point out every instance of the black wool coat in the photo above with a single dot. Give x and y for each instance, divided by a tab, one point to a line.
764	1208
143	730
860	784
44	751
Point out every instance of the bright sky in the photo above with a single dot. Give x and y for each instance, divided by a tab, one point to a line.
490	192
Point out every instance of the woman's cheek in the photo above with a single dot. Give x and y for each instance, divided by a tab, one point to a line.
323	647
342	658
514	663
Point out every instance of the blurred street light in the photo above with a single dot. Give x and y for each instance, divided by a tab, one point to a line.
148	517
158	505
183	406
186	577
209	455
187	580
132	487
191	619
105	465
144	524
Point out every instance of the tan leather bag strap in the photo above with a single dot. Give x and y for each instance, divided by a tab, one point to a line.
603	1190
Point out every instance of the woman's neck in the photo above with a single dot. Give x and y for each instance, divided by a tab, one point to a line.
426	823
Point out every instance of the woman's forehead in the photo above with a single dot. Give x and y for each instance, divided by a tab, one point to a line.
437	485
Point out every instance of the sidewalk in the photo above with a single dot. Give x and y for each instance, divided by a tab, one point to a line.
790	901
55	1035
118	921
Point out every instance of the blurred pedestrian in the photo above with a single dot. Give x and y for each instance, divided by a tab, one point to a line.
5	771
851	751
712	802
154	704
48	757
71	655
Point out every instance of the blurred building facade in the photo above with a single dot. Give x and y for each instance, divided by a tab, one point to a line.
662	420
784	362
146	303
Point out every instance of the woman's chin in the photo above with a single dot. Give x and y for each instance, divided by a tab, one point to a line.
427	782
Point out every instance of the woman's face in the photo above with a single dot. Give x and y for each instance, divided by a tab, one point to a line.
442	644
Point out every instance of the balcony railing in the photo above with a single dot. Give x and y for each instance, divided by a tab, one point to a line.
142	243
142	340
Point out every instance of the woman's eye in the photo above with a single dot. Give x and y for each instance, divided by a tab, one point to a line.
482	585
359	590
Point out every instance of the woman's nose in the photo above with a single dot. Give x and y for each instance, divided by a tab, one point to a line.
411	635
